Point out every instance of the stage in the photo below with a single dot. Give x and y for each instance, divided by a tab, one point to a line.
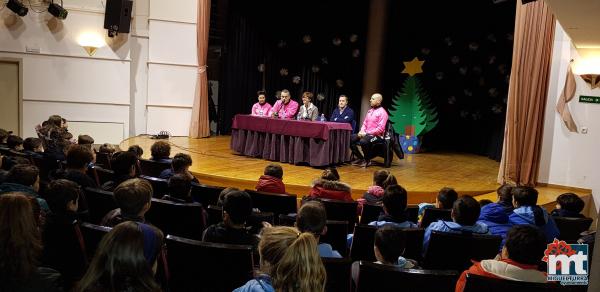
421	174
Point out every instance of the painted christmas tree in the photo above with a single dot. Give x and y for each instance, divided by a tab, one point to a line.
412	113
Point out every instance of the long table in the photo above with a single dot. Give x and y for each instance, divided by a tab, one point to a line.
291	141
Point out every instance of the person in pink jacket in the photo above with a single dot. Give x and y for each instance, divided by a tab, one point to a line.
285	108
262	108
372	131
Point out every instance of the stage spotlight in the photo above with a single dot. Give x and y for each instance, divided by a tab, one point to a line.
57	10
17	7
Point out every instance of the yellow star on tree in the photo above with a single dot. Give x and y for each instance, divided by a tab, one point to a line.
413	67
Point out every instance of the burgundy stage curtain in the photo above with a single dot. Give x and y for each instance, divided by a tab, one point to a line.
527	94
200	125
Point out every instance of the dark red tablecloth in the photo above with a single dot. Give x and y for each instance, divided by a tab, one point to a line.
291	141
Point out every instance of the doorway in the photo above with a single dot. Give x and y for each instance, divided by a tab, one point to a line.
10	109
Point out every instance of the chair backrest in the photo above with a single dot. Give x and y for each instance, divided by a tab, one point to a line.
337	233
370	213
185	220
377	277
45	166
99	203
339	273
92	235
206	195
276	203
481	283
103	159
433	214
364	239
153	168
570	228
204	266
454	251
160	187
341	210
214	215
104	175
412	213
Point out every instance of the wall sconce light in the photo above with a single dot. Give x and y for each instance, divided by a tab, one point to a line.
91	42
588	68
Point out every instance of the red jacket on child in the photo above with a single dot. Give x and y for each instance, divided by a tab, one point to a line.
270	184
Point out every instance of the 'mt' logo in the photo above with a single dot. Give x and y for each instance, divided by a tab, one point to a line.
567	263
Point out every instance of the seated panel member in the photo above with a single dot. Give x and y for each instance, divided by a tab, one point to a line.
343	113
372	131
262	108
308	111
285	108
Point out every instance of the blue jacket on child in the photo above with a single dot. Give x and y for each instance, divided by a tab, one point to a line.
452	227
526	215
262	283
494	215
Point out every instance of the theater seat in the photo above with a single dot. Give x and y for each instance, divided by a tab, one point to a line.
186	220
364	239
99	203
571	228
476	283
153	168
338	274
455	251
433	215
377	277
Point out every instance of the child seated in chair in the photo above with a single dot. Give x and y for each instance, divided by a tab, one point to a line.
394	200
180	187
528	212
381	179
272	180
525	245
237	208
465	213
329	186
444	200
313	218
568	205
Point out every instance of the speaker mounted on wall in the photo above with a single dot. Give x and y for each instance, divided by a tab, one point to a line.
117	17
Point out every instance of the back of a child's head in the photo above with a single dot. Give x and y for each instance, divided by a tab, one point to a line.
132	195
292	259
122	162
570	202
23	174
525	196
525	244
384	178
238	206
31	144
394	200
504	194
60	192
274	170
79	156
181	161
330	173
446	197
180	186
106	148
85	139
224	193
466	211
137	150
13	141
391	242
160	150
312	217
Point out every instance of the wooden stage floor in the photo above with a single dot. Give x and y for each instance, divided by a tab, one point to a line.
421	174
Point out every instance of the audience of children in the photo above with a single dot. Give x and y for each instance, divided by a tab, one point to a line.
137	150
179	190
289	261
519	260
14	143
107	148
123	165
569	205
496	215
33	147
329	186
179	165
126	260
86	140
272	180
465	213
312	218
25	179
528	212
381	180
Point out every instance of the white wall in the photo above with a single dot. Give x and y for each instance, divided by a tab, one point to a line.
570	159
144	80
172	66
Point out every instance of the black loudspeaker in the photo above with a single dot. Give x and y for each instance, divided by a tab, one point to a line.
117	17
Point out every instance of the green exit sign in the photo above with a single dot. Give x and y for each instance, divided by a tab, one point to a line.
589	99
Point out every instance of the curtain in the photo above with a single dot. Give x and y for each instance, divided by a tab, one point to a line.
527	93
566	96
200	126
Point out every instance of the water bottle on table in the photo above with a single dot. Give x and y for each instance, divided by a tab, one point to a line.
322	118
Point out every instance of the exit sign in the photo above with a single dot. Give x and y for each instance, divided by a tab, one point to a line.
589	99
